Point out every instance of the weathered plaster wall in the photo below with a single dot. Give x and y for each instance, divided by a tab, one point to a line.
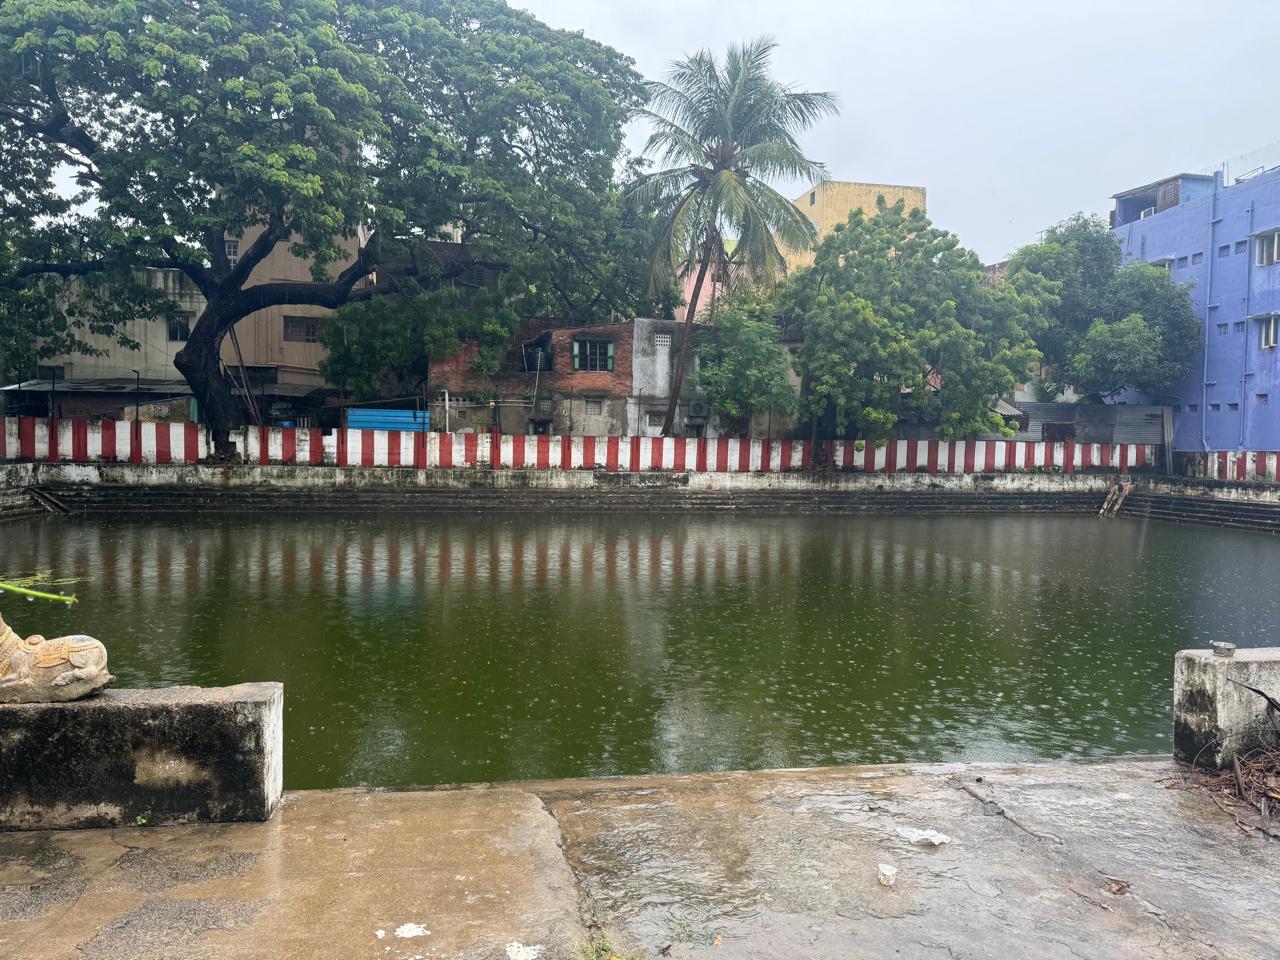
1214	718
652	368
170	755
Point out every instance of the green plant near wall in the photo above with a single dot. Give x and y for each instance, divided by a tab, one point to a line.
600	947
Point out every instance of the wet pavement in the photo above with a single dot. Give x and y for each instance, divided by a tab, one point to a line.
1095	860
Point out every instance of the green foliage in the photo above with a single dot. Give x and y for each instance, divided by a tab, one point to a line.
1079	261
327	128
741	366
723	132
1113	356
385	346
898	321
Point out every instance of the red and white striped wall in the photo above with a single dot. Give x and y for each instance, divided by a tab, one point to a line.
1256	465
78	441
108	441
992	456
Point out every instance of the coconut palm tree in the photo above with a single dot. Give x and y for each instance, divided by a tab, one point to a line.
723	131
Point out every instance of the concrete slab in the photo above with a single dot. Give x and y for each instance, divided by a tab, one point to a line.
337	874
1214	716
162	756
1094	860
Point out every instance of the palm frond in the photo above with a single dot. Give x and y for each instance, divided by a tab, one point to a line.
724	130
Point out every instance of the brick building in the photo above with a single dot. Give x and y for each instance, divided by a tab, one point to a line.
565	378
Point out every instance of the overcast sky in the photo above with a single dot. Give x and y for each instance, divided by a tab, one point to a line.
1013	113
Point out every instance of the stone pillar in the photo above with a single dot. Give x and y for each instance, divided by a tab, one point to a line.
1213	718
125	757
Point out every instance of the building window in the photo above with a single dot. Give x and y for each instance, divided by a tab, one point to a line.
233	251
813	197
1193	408
594	355
1242	246
180	326
1233	406
1238	327
1197	258
1262	398
1266	249
1182	262
595	406
654	419
1270	328
1222	329
545	404
662	339
1224	250
302	329
1215	407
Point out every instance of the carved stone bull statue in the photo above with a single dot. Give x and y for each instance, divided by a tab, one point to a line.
36	670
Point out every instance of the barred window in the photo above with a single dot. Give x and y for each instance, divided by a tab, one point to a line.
302	329
594	355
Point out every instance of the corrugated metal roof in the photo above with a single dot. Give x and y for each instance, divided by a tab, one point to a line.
1098	422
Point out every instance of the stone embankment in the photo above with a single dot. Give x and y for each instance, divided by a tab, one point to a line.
192	489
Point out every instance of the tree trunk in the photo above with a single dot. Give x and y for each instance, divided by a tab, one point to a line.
682	360
199	362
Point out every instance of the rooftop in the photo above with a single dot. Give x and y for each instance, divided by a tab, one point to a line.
1148	187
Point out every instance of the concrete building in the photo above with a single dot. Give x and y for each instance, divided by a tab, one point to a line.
1222	240
829	204
278	356
275	354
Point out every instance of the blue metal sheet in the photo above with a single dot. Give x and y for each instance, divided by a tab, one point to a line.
413	421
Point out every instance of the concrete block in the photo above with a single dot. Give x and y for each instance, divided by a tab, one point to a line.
163	756
1213	718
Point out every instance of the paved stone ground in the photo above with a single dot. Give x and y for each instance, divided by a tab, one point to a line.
1091	860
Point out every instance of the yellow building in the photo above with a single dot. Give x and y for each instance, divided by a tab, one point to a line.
830	203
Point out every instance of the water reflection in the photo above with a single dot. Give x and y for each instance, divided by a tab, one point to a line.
419	649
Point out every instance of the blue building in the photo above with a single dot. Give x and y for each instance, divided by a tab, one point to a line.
1224	241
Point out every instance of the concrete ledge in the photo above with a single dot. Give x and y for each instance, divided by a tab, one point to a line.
164	756
1213	719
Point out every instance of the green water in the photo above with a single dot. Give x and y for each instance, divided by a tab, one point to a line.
426	650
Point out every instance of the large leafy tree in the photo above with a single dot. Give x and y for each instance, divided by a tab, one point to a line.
898	320
723	131
1108	326
742	368
385	346
349	132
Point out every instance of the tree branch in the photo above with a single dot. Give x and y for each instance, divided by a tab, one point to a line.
196	272
64	270
263	244
215	243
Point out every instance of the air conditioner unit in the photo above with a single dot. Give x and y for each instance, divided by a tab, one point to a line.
1149	212
699	409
